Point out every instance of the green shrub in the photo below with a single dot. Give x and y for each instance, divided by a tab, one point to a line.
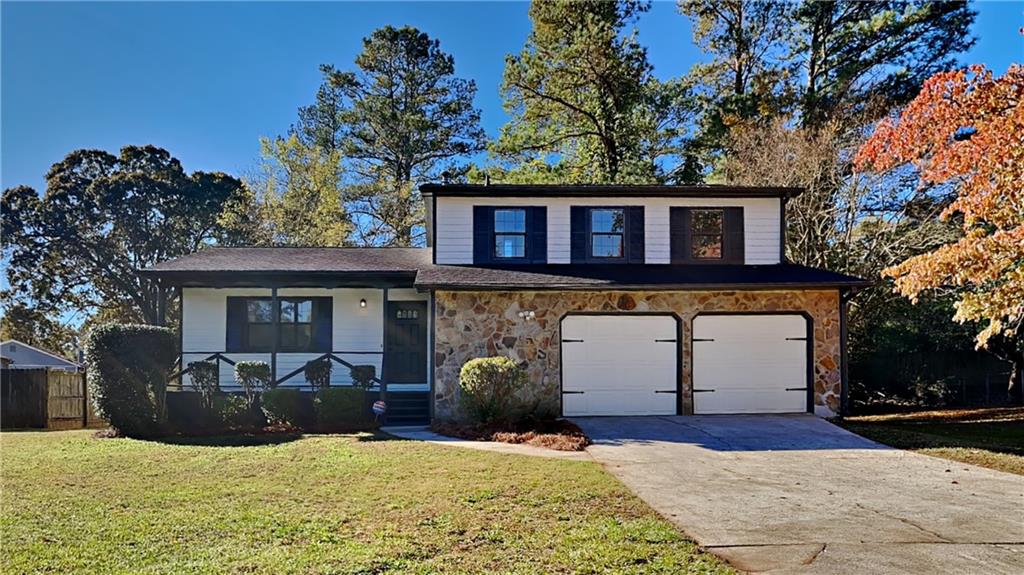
205	380
342	409
287	407
318	373
128	369
362	375
254	378
235	412
489	387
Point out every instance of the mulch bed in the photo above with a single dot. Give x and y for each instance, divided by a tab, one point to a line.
556	434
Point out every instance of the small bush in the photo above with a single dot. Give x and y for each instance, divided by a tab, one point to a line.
489	388
128	369
318	373
362	375
205	380
234	412
342	409
288	407
254	378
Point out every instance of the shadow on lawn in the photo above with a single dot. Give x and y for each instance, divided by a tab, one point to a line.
240	440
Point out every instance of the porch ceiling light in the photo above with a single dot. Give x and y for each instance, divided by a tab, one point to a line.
362	302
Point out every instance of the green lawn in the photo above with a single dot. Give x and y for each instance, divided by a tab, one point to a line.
319	504
991	438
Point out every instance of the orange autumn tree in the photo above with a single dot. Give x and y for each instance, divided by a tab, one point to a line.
966	130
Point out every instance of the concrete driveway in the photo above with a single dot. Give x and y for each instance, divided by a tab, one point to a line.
796	494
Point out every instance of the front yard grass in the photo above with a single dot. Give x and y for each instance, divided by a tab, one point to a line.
355	504
992	438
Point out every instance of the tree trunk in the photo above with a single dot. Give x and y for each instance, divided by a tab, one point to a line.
1015	387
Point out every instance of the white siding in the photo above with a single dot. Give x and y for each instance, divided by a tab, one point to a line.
454	241
355	329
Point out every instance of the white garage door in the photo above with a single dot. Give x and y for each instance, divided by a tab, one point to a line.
619	365
749	364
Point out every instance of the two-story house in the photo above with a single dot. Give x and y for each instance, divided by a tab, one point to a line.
617	299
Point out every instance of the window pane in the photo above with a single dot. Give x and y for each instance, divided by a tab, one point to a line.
607	246
287	312
303	336
259	311
304	311
261	336
707	221
707	246
608	221
508	246
510	221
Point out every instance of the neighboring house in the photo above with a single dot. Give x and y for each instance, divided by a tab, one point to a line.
618	300
18	355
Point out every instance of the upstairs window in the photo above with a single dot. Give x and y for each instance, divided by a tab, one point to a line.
509	233
707	234
607	232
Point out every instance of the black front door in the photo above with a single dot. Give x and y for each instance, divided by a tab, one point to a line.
406	348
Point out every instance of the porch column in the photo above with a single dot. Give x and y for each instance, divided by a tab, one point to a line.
275	316
161	305
384	349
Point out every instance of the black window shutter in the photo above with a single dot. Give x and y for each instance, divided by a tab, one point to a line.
537	234
732	250
679	234
483	234
323	323
635	232
578	229
236	324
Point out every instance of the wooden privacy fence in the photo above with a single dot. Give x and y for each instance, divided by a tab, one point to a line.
41	398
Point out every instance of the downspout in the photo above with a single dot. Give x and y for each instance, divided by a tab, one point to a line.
433	355
384	348
275	316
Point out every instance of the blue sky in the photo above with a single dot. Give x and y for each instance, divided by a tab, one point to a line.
206	80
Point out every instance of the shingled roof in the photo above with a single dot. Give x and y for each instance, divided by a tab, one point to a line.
411	267
608	190
630	276
297	259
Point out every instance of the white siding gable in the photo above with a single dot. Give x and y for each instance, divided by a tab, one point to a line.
454	239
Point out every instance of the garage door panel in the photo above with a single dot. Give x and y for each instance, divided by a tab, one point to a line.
615	364
614	402
750	364
751	401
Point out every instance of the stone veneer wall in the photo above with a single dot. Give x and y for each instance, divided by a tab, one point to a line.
483	324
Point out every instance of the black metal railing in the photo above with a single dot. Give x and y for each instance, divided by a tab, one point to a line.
219	357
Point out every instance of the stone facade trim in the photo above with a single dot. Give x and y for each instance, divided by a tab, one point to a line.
489	323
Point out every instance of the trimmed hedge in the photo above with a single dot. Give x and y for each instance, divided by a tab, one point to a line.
254	378
234	412
288	407
205	380
362	375
127	378
342	409
318	373
489	387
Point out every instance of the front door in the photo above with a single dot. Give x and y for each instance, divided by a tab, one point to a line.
406	347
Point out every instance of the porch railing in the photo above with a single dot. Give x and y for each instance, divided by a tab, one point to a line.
219	357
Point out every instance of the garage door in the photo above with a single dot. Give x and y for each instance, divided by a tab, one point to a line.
749	364
619	365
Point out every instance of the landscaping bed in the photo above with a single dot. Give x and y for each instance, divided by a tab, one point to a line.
989	437
344	504
559	434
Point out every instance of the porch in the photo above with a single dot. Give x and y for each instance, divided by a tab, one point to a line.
288	318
